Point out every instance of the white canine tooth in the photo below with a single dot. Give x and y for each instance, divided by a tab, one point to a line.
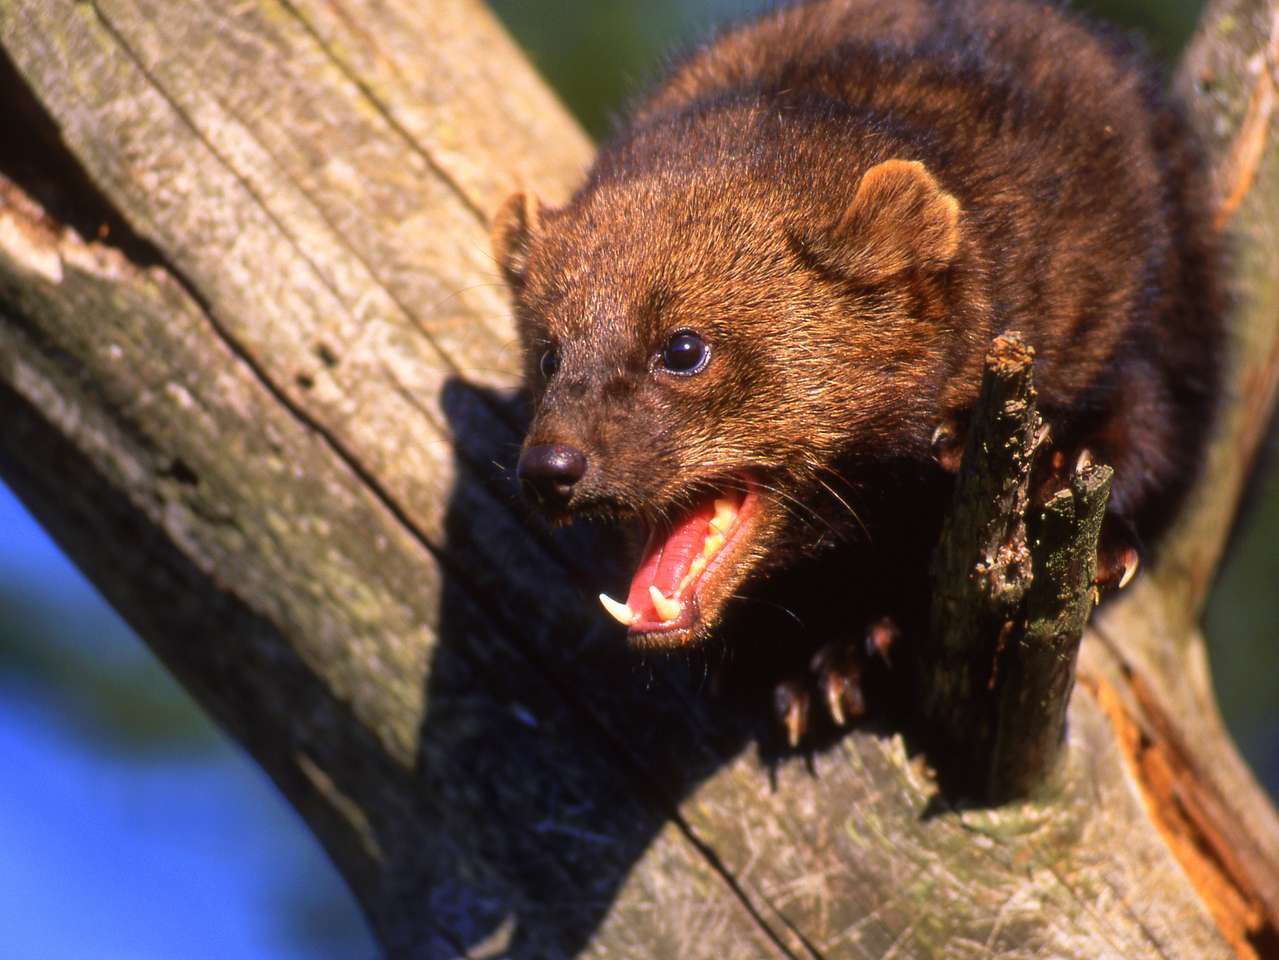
618	611
666	608
712	544
725	514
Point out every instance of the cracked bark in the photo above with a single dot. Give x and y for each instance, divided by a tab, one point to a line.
1012	591
253	371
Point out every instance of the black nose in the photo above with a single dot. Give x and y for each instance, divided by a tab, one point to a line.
549	471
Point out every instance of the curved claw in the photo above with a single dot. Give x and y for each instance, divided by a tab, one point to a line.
881	636
948	445
1115	569
790	703
1118	554
843	693
839	680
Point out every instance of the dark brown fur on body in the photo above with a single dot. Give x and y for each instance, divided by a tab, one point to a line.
847	201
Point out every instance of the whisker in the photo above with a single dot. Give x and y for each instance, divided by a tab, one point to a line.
769	603
845	504
792	504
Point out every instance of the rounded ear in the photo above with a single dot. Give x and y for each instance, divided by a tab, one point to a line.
514	226
899	219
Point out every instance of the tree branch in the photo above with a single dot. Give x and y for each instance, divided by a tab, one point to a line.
1037	669
982	569
1012	591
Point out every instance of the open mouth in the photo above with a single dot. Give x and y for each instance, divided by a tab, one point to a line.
681	564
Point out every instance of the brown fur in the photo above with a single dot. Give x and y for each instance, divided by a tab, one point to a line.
848	200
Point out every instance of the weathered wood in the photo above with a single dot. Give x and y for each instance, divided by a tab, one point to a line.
1036	666
981	571
262	412
1012	591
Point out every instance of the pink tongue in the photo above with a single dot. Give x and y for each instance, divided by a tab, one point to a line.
667	559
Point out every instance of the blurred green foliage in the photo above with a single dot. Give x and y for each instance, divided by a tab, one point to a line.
125	704
1242	625
600	55
1165	25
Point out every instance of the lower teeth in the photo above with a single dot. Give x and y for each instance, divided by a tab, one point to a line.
667	608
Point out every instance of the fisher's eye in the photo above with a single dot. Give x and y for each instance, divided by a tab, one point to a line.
549	363
685	352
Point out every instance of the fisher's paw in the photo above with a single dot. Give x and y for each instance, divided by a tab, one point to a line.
835	682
